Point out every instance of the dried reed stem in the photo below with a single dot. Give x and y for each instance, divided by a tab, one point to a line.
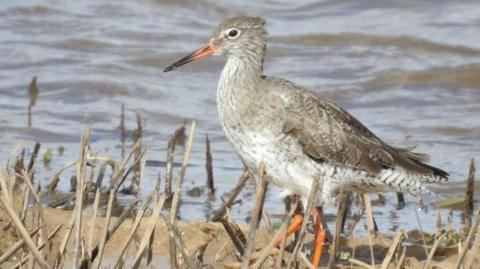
24	209
92	223
468	206
256	215
368	210
370	224
150	247
33	159
176	195
26	193
16	246
33	92
27	178
177	136
151	225
142	164
119	171
401	260
100	176
208	166
118	183
67	198
81	167
236	235
421	233
284	238
231	198
56	177
342	205
174	233
122	128
303	229
266	219
306	262
438	239
473	252
399	236
103	239
471	233
137	167
66	237
23	231
112	230
135	226
268	248
29	112
50	237
360	263
438	220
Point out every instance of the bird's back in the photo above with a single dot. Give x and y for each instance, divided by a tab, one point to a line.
329	134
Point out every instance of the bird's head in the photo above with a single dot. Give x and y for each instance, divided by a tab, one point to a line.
240	37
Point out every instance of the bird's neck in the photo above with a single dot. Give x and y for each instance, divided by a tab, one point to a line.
238	86
241	74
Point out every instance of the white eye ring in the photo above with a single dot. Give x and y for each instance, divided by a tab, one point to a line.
232	33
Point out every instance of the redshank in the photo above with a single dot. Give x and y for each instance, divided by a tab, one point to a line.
299	134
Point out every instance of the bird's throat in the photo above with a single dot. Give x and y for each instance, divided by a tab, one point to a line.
240	74
237	88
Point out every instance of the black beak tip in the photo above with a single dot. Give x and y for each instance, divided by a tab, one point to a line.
168	68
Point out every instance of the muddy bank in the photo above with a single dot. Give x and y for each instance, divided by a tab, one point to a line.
218	251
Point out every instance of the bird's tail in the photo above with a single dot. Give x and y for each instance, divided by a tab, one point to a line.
429	174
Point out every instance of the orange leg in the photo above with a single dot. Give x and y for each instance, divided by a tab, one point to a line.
319	237
295	226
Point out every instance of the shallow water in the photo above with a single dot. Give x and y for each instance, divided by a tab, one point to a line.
409	70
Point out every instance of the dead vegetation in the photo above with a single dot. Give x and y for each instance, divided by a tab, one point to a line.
91	230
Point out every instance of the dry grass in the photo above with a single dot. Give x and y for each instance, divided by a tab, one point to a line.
144	235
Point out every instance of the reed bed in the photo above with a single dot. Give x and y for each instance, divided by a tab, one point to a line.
93	231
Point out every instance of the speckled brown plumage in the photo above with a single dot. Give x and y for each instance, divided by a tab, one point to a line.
329	133
297	133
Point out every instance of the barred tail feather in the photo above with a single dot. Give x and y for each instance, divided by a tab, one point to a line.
397	180
437	176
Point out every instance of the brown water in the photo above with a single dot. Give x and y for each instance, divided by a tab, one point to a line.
410	70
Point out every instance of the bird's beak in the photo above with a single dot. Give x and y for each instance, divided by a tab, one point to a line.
206	50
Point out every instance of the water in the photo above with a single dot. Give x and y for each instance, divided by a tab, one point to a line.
409	70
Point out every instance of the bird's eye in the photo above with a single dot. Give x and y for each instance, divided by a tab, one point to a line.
233	33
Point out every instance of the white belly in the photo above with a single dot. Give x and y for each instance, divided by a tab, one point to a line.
288	167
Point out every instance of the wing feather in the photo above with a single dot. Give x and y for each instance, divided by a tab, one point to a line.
329	133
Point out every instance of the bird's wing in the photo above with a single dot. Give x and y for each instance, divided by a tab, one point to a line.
329	133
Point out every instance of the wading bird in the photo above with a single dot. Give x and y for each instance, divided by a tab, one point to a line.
297	133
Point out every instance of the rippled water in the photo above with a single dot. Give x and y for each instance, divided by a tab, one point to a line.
408	69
